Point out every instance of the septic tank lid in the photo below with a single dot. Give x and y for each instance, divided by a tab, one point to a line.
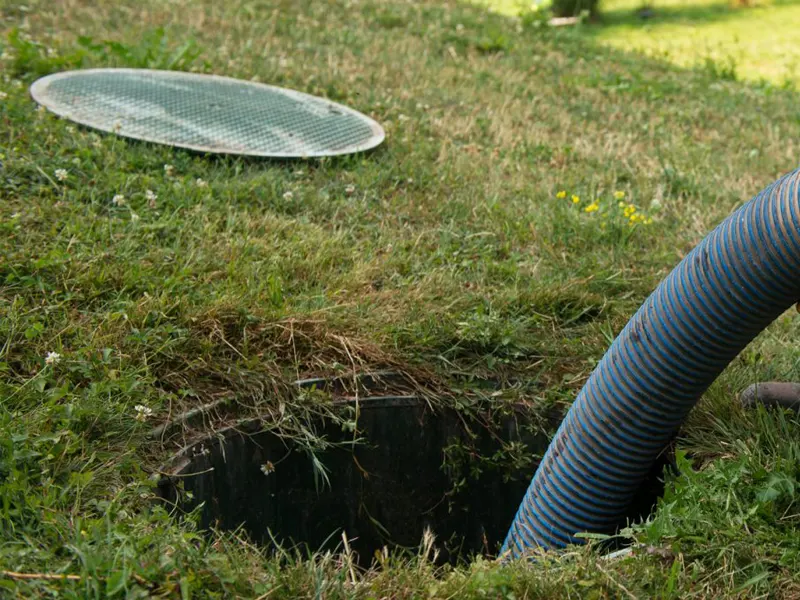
208	113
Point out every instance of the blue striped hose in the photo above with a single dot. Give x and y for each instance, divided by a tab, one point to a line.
737	281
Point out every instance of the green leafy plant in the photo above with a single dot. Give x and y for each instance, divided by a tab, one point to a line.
153	51
35	59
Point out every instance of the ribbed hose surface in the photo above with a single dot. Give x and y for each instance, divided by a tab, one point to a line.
737	281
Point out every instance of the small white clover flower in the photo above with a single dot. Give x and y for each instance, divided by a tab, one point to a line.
134	217
201	183
169	170
118	200
142	412
62	174
52	358
150	195
350	190
288	196
3	95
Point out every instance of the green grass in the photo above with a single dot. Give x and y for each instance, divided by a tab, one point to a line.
445	254
752	43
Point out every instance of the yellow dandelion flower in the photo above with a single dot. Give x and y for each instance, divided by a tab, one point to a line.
576	199
637	218
561	195
619	195
593	207
629	210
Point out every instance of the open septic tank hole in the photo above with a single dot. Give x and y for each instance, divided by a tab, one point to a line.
412	468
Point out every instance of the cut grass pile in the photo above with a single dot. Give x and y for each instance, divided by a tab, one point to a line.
163	280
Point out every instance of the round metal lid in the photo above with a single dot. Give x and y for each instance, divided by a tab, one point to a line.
207	113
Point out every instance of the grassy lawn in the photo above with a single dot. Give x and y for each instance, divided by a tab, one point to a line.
447	254
756	44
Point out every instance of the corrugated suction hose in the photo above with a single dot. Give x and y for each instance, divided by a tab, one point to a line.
737	281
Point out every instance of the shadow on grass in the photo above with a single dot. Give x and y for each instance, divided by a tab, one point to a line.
587	35
653	14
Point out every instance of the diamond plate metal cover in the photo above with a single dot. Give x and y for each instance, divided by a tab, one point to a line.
207	113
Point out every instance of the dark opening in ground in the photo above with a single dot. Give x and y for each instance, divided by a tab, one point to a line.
413	468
